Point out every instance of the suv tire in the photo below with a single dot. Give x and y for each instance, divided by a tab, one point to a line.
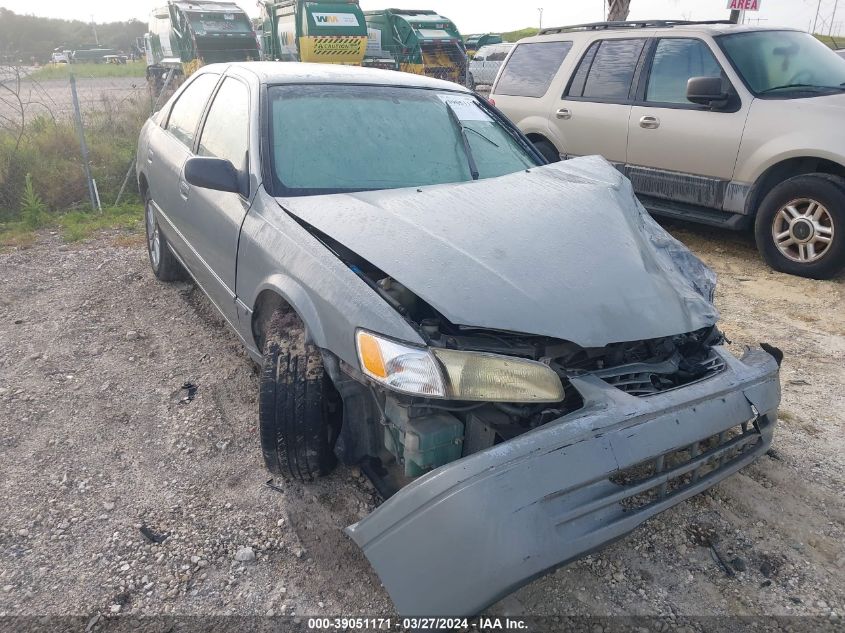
299	408
800	226
548	151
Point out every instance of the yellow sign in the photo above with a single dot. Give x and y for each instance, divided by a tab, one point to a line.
333	50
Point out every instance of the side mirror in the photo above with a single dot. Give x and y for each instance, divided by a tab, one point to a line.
213	173
707	91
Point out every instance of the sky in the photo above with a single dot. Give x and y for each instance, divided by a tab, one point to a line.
481	16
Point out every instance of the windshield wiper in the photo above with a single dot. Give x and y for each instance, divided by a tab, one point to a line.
491	141
473	166
813	86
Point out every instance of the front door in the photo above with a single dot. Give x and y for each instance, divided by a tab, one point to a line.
677	150
216	216
168	151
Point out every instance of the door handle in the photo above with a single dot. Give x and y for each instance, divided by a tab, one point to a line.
184	189
564	113
650	122
150	156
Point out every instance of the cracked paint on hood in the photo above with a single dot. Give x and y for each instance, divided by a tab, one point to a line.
564	250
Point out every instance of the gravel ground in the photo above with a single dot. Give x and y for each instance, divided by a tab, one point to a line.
100	444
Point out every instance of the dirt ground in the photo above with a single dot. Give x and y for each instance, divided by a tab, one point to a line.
99	443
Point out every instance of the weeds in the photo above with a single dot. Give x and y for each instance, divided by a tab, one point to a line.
74	225
48	152
33	209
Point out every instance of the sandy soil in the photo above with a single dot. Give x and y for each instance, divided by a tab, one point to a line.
99	444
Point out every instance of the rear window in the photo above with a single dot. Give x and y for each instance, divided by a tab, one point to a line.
531	68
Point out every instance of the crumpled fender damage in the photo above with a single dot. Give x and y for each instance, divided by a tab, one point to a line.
462	537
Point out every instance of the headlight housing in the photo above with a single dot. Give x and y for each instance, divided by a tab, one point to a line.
455	375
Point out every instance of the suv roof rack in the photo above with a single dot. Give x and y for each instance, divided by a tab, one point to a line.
638	24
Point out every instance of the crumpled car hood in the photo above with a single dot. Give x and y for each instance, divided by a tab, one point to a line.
564	250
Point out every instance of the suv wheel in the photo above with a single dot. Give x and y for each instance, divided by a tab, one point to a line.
299	409
548	151
800	226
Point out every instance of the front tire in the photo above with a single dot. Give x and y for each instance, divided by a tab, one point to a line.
800	226
299	409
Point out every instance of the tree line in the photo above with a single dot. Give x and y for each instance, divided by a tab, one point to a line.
31	39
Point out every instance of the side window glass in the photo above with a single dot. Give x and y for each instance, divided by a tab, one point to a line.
186	112
498	56
675	62
576	88
226	130
612	70
531	69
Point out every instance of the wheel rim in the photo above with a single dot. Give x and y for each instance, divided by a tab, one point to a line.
153	237
803	230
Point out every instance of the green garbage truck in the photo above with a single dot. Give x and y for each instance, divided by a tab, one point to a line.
184	35
416	41
474	42
321	31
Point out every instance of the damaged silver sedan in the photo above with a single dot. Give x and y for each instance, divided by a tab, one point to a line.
522	361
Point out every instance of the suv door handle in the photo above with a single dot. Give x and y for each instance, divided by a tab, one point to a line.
650	122
564	113
184	189
150	155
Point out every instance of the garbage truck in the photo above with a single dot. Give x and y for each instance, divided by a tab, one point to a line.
474	42
322	31
418	41
183	35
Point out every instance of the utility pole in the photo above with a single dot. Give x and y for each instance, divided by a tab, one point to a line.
815	23
540	10
94	27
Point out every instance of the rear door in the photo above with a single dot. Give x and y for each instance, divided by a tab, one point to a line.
216	217
169	148
677	150
592	114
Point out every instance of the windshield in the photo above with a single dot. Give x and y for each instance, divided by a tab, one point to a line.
208	23
335	138
780	63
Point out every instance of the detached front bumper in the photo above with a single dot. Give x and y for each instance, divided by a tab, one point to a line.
467	534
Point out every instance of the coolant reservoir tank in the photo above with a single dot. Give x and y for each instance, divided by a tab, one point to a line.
430	442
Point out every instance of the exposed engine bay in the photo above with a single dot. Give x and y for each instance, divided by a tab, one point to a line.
421	434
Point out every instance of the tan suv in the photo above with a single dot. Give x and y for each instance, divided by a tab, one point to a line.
712	122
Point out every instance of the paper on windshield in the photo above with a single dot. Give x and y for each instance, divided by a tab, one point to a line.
465	107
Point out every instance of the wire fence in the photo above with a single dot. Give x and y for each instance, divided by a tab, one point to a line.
75	137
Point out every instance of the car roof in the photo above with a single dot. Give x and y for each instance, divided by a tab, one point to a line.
272	73
650	27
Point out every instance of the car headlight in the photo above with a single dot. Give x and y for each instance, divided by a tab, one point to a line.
456	375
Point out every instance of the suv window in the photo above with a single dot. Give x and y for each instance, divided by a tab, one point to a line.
186	112
675	62
498	54
531	68
607	70
226	130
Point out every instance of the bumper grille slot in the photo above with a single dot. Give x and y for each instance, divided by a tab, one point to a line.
651	481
